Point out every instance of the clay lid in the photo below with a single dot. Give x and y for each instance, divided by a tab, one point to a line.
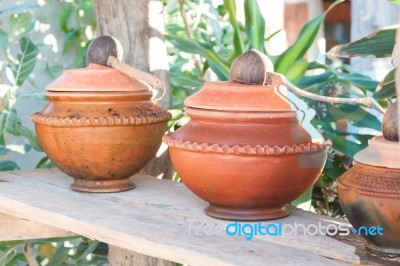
95	78
234	96
381	153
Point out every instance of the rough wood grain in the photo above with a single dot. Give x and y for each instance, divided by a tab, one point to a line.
162	219
139	26
13	228
123	257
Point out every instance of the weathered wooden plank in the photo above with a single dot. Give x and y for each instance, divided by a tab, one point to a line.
13	228
123	257
155	218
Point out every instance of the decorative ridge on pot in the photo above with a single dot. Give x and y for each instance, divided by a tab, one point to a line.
244	150
100	121
101	125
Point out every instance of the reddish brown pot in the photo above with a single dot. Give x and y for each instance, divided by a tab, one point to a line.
369	194
247	150
100	127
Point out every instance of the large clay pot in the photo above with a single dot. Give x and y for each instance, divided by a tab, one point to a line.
247	150
369	194
100	127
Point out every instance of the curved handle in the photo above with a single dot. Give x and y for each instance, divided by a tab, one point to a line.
369	102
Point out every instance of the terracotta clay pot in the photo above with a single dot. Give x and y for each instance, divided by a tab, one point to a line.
369	194
100	127
247	150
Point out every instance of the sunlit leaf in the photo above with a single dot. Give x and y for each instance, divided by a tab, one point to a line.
378	44
26	60
19	23
304	41
92	246
230	6
388	86
255	25
296	72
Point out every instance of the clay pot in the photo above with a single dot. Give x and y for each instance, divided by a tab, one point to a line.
247	150
369	194
100	127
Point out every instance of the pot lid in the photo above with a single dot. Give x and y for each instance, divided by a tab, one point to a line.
96	78
235	96
381	153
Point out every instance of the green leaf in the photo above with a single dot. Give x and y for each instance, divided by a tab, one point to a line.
356	115
397	2
19	23
378	44
71	38
3	39
8	166
296	72
60	256
8	256
27	60
63	18
93	245
230	7
388	86
219	66
306	38
304	201
14	126
343	145
255	25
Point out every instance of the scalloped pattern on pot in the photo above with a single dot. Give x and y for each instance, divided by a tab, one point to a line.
245	150
99	121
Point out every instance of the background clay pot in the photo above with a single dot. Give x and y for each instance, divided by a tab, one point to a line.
369	193
100	127
247	150
370	196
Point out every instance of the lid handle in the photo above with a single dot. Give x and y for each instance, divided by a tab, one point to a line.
107	51
255	68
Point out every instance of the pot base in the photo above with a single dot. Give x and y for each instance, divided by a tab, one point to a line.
99	186
236	214
383	250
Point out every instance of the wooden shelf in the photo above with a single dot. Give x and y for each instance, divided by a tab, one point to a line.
154	219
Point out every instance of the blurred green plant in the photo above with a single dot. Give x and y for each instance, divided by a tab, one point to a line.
211	38
17	66
20	55
73	251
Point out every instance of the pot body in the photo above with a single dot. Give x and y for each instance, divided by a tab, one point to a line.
100	138
370	196
246	163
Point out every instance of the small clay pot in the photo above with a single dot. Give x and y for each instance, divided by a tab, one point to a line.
100	127
247	150
369	194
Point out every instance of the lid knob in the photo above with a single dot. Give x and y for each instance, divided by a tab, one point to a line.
390	124
102	48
